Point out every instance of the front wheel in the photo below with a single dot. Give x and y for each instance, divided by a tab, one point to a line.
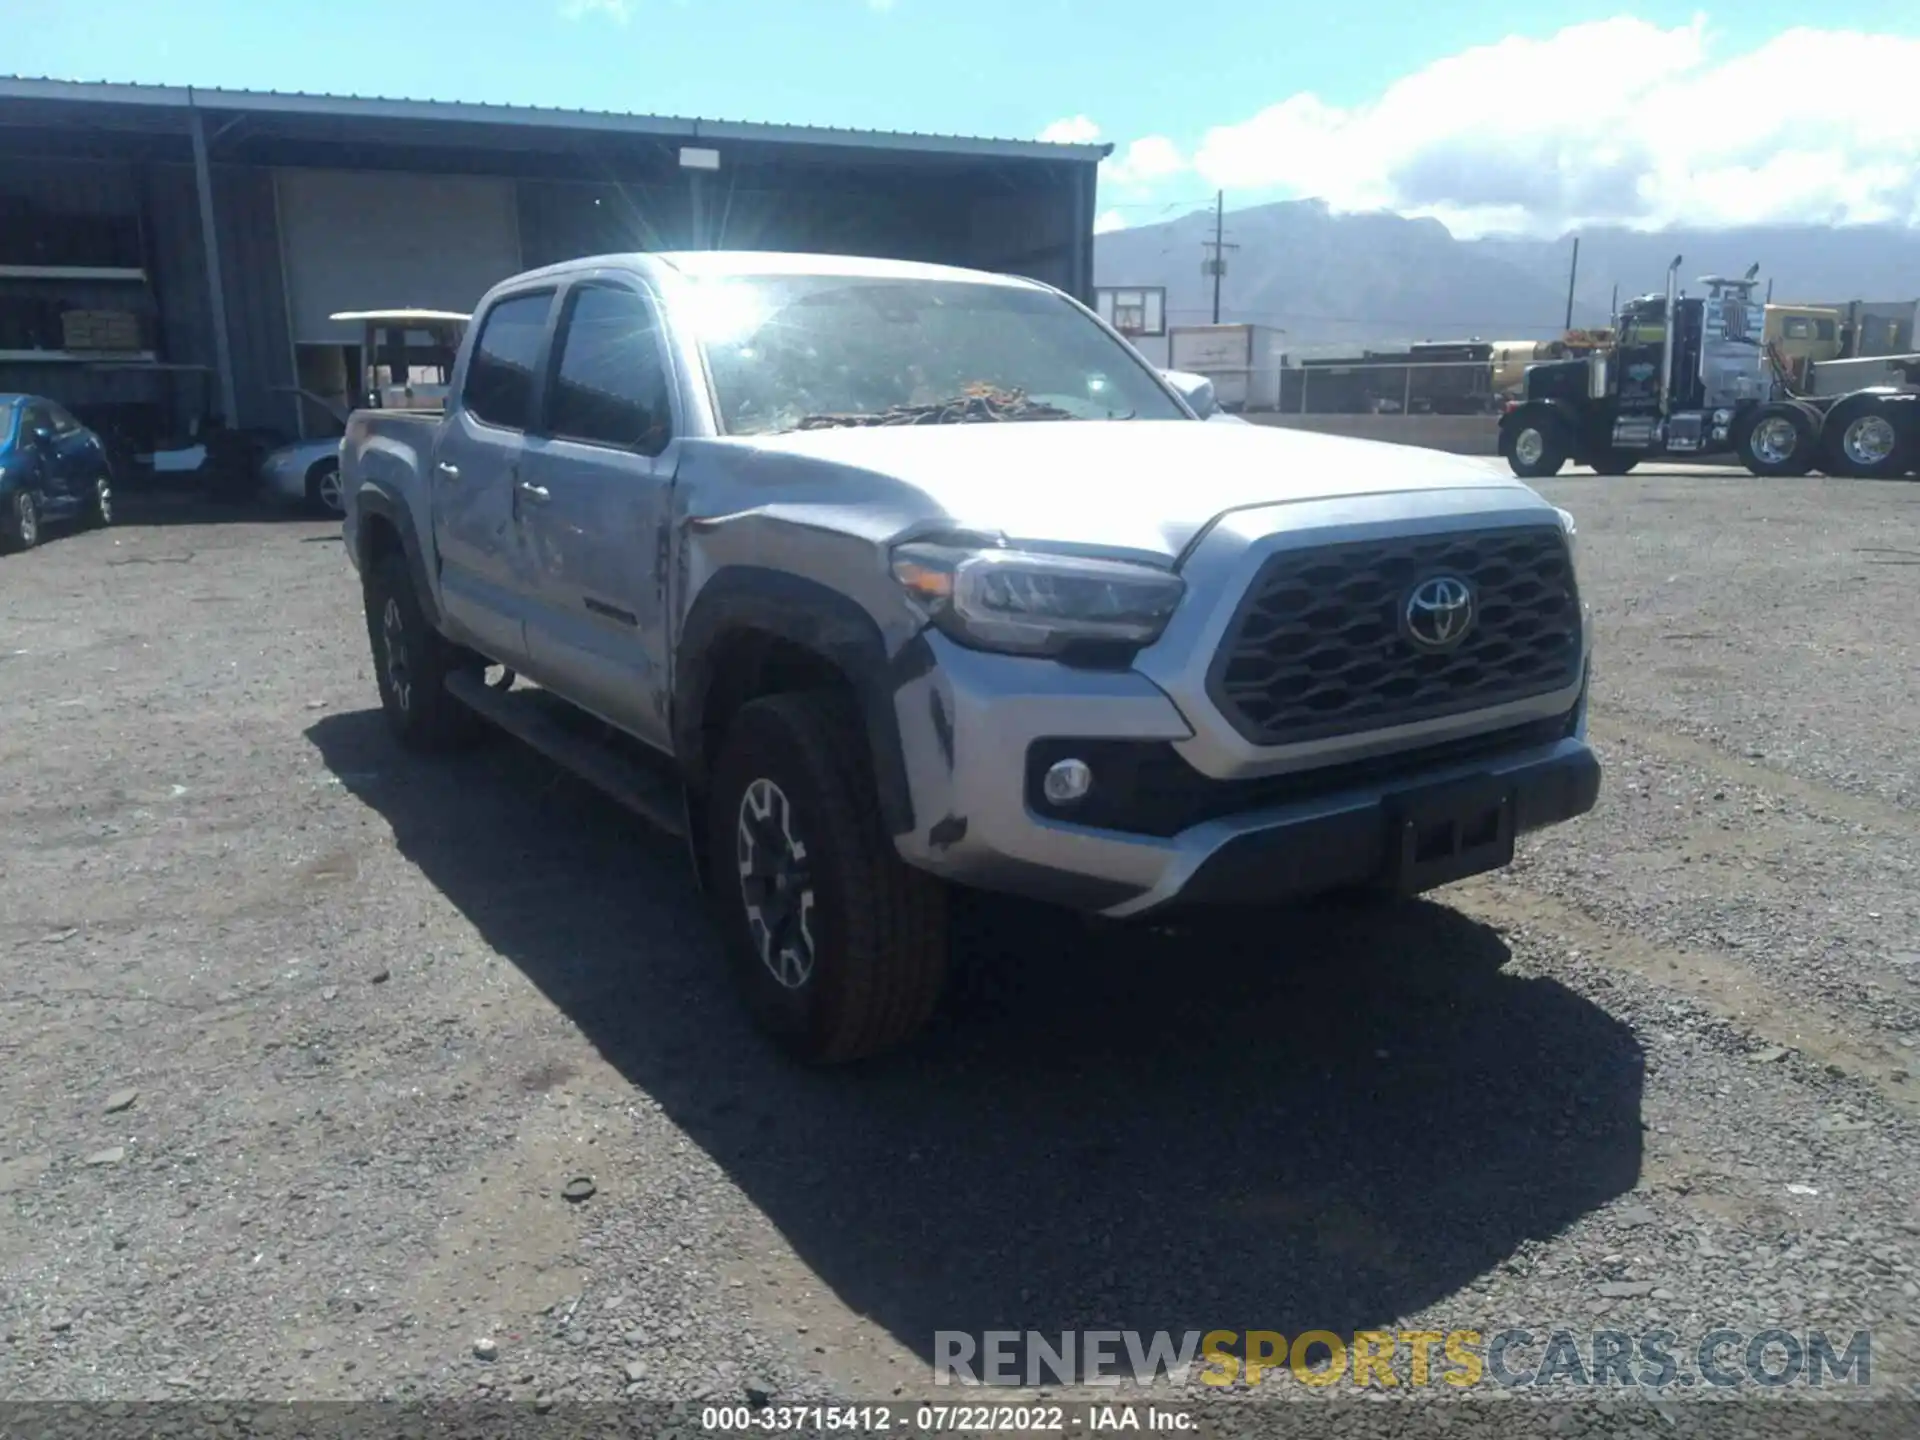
324	495
1777	441
840	948
21	528
411	662
1537	449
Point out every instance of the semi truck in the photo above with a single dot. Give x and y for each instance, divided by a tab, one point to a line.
1705	385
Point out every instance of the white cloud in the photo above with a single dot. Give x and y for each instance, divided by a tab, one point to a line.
1146	160
1618	120
1075	130
618	11
1107	221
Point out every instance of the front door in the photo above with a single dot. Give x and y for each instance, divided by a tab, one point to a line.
593	495
482	555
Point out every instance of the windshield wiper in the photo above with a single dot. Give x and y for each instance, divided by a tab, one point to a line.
970	408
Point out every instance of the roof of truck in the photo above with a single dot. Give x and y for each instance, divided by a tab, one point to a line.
704	264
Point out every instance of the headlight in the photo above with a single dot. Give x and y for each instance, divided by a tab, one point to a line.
1026	603
1568	529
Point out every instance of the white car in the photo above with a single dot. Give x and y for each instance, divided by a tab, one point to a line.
306	473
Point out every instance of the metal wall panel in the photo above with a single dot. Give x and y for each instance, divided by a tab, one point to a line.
372	241
256	296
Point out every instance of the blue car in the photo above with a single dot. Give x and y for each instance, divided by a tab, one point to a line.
52	468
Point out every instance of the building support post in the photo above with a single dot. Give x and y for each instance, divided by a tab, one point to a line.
216	288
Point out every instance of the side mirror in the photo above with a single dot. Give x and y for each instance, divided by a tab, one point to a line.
42	435
1196	390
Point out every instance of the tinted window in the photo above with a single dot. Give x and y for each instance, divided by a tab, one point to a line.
35	417
610	386
63	423
1824	328
500	374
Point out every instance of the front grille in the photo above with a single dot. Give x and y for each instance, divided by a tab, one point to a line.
1318	647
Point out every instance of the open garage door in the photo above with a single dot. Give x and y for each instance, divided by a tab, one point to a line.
384	241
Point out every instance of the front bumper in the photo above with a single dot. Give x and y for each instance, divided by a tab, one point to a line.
969	722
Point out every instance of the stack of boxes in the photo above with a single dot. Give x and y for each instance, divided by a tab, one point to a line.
96	330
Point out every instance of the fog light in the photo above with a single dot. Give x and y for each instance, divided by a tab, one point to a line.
1067	782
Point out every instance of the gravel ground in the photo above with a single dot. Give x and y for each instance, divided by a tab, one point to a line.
301	1041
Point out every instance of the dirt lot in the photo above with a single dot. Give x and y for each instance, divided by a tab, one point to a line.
378	1013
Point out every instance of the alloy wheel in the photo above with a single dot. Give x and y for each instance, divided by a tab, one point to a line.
393	634
1774	440
776	885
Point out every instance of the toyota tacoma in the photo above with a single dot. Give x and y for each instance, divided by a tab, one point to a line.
875	579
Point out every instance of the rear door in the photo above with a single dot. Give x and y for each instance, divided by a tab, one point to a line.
78	459
485	573
595	485
37	439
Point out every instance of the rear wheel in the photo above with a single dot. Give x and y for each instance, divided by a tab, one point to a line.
411	661
1863	441
840	948
1537	448
100	506
1777	441
21	528
1615	462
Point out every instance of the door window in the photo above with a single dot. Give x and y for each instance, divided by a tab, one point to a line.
34	419
610	384
499	387
63	423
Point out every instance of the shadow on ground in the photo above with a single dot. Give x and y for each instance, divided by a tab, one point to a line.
1330	1124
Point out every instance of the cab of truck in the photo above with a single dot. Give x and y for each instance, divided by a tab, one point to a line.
1802	336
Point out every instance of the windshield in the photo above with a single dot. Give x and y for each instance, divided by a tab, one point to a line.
807	351
8	410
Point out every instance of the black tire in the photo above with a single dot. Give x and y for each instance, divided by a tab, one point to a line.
871	934
411	662
1615	462
1862	440
20	526
1777	441
1536	447
100	507
324	498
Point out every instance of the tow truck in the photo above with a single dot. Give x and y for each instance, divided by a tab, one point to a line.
1705	385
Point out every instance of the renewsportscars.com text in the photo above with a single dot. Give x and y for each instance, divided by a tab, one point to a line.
1513	1358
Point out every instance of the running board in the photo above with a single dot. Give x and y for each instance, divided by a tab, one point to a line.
531	715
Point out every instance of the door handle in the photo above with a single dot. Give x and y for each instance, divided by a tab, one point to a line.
539	494
446	471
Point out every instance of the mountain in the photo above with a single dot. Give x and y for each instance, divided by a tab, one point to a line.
1342	280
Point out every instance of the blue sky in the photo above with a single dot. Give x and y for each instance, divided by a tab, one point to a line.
1131	68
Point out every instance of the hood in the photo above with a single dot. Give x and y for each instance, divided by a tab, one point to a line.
1133	485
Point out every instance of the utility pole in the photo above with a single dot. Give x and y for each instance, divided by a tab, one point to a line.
1573	274
1216	265
1613	305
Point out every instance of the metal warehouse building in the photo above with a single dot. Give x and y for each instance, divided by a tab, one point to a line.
168	252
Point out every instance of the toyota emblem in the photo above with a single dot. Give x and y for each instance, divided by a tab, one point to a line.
1439	612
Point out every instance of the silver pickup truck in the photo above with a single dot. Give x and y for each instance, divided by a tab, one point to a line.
873	578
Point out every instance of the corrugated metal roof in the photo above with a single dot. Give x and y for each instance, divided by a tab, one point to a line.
27	87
